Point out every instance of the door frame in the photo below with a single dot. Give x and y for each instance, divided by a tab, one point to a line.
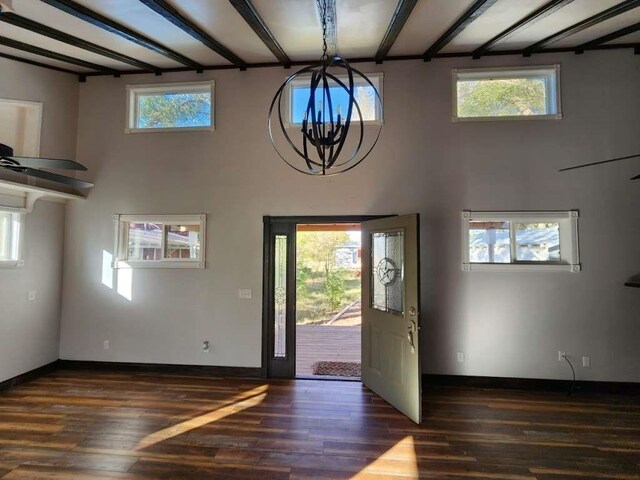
273	225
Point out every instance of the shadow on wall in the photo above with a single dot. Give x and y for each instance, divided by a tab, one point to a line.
120	280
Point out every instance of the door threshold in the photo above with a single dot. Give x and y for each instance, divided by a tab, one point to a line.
333	378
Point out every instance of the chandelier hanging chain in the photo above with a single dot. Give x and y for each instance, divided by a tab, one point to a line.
322	5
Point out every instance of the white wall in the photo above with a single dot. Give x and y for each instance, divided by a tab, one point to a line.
508	324
29	332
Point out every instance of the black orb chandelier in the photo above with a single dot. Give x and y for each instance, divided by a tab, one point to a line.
327	143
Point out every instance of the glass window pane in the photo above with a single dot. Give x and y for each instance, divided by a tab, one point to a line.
182	242
502	97
489	242
170	110
538	242
280	297
365	96
6	250
145	241
387	274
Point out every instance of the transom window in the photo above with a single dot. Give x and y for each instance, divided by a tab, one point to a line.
160	241
507	93
10	239
299	94
523	239
170	106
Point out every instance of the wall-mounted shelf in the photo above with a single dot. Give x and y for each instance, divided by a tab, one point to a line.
31	194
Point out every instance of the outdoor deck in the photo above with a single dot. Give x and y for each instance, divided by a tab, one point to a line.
325	343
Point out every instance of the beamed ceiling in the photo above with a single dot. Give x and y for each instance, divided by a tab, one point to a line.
115	37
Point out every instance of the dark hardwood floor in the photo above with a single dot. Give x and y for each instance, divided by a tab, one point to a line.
96	425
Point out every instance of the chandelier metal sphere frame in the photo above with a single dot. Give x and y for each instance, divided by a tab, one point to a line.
324	130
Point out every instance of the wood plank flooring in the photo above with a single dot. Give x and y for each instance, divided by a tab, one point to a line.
96	425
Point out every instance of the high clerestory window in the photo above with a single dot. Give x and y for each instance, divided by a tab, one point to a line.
170	107
299	93
520	93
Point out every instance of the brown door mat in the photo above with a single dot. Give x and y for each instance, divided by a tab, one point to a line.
337	369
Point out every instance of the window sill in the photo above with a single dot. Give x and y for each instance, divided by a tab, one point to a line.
456	119
520	267
159	264
11	264
169	129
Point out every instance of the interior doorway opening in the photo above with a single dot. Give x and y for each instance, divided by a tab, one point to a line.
328	295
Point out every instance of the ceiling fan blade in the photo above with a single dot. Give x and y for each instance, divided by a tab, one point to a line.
36	162
599	163
54	177
637	177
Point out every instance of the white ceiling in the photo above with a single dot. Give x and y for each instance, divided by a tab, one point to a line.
361	25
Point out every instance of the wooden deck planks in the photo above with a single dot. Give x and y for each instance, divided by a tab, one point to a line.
317	343
141	426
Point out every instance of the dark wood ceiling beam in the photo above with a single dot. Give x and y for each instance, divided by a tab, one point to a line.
37	64
400	17
248	11
609	37
98	20
329	6
35	27
583	25
25	47
467	18
543	12
168	12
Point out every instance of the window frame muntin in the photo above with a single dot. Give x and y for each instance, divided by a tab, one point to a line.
121	241
553	71
569	243
131	112
16	244
304	79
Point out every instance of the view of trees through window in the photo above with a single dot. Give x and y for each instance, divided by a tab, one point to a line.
502	97
172	110
327	277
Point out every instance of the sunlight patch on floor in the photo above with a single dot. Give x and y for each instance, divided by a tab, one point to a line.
237	404
402	455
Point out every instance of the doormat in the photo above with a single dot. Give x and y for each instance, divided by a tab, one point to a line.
336	369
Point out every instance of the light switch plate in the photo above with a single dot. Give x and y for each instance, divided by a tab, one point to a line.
244	293
31	296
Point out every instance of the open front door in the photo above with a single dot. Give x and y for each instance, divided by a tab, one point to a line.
390	309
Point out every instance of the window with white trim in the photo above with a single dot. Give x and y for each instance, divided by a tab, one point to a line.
520	240
160	241
365	94
170	107
514	93
11	224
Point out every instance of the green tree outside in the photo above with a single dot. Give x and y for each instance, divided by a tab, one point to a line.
503	97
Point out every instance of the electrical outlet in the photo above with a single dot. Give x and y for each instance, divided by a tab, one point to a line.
244	293
561	355
586	362
105	344
460	356
206	346
31	296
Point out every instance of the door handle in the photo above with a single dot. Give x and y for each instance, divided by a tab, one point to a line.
410	335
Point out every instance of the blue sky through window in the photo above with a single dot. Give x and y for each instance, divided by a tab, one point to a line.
365	95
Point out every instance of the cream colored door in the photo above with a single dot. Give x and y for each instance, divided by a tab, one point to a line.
390	312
